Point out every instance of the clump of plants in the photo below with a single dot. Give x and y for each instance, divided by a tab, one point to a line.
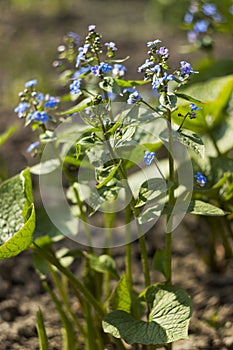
103	184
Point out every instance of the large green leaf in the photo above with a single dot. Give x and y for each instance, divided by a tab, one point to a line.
196	207
17	215
215	94
168	319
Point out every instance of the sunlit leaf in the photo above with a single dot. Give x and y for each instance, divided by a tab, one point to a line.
17	215
168	319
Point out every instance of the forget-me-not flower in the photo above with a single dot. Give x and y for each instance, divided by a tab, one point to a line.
149	156
75	87
21	109
39	116
31	83
201	179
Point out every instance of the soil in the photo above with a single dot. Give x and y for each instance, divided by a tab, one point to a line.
211	326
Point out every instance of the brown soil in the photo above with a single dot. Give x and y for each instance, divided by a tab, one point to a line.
211	326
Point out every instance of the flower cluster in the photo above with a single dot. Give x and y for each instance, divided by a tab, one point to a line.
156	69
201	179
201	19
87	61
34	106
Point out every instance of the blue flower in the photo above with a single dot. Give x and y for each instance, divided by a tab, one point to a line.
82	54
192	36
74	36
163	51
105	67
149	156
134	97
186	68
231	9
188	18
39	116
21	109
81	71
158	82
194	107
33	146
209	9
75	87
30	83
39	97
147	64
118	70
129	89
111	45
153	43
201	179
91	28
51	102
201	26
95	70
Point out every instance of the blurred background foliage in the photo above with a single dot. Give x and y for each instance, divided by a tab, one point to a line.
30	32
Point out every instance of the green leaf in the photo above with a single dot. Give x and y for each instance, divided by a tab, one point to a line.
130	83
17	215
168	100
101	196
187	138
111	171
192	141
121	299
45	228
198	207
44	345
215	94
109	84
126	136
87	102
152	213
45	167
168	319
159	262
7	134
150	190
103	263
187	97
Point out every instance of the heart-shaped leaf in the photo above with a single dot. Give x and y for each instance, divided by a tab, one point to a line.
168	319
17	215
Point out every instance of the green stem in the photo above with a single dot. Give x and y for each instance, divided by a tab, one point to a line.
128	251
75	282
145	262
131	209
65	299
84	219
171	201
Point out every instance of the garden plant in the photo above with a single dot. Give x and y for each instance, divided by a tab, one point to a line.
114	157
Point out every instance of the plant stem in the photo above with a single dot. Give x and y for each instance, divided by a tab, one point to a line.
171	200
128	250
75	282
131	209
65	299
